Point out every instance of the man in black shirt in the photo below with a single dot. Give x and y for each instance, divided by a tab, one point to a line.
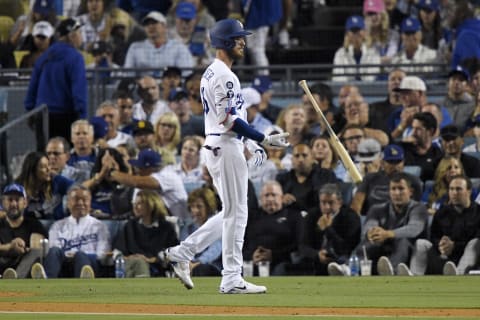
452	143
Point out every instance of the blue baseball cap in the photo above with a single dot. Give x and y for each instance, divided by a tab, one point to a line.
428	5
147	158
461	71
410	25
262	84
393	152
100	127
15	188
44	6
355	23
186	11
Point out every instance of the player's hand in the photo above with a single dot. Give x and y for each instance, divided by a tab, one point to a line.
258	156
276	140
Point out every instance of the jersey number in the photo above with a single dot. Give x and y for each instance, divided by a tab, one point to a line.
204	101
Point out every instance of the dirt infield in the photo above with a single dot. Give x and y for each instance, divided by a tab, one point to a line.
214	310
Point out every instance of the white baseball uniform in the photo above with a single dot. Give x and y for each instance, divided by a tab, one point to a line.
225	160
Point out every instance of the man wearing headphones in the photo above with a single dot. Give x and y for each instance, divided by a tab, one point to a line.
150	107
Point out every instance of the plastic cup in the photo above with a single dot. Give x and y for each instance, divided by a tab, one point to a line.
248	268
366	267
264	268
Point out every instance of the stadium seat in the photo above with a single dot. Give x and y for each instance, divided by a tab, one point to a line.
6	24
19	54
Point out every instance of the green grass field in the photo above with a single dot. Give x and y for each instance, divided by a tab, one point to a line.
297	292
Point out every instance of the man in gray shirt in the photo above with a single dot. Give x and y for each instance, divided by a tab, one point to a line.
391	228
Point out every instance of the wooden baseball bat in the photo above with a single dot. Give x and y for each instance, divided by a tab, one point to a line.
336	144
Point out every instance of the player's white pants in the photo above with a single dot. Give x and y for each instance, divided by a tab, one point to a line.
257	46
230	176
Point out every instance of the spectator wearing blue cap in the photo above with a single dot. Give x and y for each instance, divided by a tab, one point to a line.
355	53
190	124
19	235
429	17
193	35
413	52
263	84
150	174
458	101
374	187
474	147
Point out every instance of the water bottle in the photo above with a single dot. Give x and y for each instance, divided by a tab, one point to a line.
354	264
120	267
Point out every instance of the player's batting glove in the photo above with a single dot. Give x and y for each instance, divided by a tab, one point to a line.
276	140
258	154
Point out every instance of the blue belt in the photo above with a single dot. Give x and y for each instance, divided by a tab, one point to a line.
239	137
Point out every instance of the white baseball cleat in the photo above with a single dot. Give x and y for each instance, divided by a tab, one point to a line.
246	288
180	268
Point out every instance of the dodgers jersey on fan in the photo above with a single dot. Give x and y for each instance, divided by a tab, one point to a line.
221	98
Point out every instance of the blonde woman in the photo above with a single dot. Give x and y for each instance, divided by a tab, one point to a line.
167	137
142	238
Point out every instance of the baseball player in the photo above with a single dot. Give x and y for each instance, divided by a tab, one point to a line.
225	129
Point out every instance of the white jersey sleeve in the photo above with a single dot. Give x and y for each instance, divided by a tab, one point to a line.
221	98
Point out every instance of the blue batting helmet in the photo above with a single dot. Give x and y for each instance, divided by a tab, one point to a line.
224	32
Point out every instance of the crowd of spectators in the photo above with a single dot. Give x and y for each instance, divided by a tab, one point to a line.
139	160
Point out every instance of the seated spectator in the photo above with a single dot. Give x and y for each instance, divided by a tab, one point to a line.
83	154
189	167
453	245
251	102
293	120
452	143
475	147
158	50
150	107
413	52
458	101
301	184
152	175
42	38
323	95
124	101
263	84
391	228
329	234
167	137
108	110
368	159
78	243
355	53
20	236
437	195
143	135
379	111
45	191
422	152
96	22
396	16
429	16
339	117
378	33
436	111
58	153
192	86
326	158
171	79
273	234
351	136
202	205
102	58
143	237
476	112
374	188
190	124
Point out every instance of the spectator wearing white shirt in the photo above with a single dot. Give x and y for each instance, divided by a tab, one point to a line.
110	113
150	107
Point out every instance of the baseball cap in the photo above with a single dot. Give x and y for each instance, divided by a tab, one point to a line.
410	25
450	132
250	97
186	10
100	127
44	6
147	158
100	47
461	71
177	94
142	126
15	188
355	23
368	150
262	84
411	83
393	152
428	5
373	6
43	28
171	71
68	25
155	16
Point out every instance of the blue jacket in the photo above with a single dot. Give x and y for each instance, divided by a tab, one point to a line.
262	13
467	42
59	81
